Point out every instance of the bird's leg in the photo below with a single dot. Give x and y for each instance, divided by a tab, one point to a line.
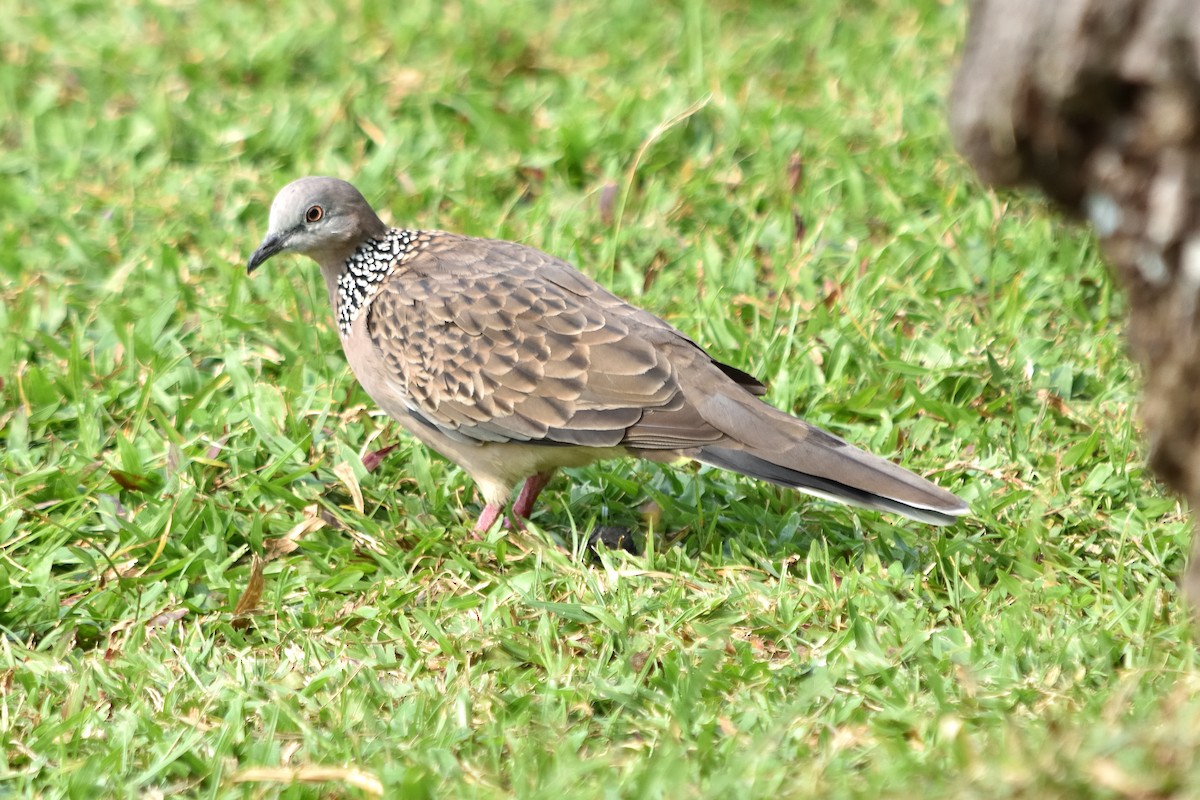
523	505
487	518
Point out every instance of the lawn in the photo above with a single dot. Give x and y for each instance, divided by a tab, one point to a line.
777	180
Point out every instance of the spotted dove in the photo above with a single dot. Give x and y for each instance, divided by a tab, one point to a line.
512	363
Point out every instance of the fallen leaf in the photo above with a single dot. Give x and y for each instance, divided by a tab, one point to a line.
373	459
136	482
166	618
282	545
251	595
1054	401
346	473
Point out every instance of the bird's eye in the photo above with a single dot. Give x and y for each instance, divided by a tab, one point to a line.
314	214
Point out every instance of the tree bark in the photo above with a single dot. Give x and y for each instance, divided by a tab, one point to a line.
1097	102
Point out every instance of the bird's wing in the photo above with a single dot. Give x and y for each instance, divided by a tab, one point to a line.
499	342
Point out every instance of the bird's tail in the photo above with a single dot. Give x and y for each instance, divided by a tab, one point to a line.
765	443
918	498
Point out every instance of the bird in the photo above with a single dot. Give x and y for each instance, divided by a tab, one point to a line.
513	364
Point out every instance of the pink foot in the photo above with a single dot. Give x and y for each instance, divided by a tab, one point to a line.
487	518
523	506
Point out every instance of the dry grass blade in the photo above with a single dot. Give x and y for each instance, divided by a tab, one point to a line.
345	472
351	776
282	545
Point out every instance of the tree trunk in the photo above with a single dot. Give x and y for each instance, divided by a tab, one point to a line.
1097	102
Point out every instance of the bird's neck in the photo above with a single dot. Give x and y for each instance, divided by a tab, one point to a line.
353	281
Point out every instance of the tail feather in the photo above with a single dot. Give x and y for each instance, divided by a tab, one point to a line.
942	507
763	442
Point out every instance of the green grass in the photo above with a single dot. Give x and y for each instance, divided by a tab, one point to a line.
165	418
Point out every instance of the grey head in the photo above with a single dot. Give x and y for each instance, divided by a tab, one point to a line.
323	218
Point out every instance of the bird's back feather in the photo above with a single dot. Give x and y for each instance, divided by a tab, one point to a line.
497	342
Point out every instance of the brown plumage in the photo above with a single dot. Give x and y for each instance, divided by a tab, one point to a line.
512	363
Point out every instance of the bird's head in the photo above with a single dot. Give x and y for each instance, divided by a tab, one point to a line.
323	218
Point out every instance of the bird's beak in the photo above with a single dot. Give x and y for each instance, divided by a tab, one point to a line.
271	245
